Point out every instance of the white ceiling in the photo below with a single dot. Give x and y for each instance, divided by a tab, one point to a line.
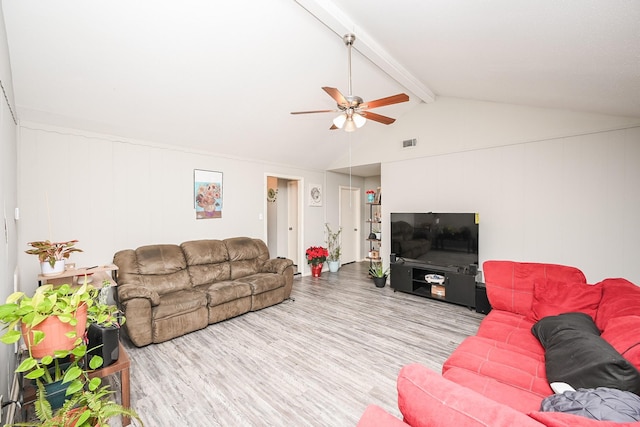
224	76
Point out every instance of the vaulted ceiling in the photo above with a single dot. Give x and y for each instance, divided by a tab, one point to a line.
224	76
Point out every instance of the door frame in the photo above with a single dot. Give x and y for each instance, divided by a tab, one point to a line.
300	219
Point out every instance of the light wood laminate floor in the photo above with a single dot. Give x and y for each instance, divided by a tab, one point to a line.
316	361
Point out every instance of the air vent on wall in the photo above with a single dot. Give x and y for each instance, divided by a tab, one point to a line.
409	143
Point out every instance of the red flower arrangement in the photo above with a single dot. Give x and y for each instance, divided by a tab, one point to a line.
317	255
370	192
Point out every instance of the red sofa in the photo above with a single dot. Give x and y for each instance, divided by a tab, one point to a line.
497	377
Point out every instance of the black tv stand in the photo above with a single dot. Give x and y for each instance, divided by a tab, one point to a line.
409	277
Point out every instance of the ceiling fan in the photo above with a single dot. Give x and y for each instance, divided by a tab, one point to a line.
354	112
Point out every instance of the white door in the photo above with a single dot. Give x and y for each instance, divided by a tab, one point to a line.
350	221
292	219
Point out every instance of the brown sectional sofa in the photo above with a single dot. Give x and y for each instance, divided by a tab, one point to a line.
166	291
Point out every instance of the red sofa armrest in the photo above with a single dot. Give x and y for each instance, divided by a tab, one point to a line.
375	416
428	400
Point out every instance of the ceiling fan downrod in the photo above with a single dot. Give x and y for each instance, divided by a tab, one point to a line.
348	40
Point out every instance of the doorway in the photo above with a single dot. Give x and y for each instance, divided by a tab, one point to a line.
350	222
283	217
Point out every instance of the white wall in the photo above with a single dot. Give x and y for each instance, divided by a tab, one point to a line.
550	185
112	193
8	198
571	200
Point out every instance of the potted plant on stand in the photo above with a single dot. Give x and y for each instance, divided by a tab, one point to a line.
52	255
333	247
379	274
103	330
316	256
67	307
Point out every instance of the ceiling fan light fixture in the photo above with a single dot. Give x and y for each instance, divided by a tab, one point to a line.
349	125
359	120
339	121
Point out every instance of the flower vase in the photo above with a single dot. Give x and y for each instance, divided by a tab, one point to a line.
316	270
370	198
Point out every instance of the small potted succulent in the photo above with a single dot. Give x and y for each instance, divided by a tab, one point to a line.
379	274
52	255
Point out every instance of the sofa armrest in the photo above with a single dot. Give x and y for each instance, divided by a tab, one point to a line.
276	265
128	292
375	416
428	400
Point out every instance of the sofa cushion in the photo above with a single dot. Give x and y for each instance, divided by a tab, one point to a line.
622	334
510	328
222	292
577	355
247	256
559	419
263	282
505	393
505	363
620	298
510	284
179	302
161	268
553	297
428	400
602	403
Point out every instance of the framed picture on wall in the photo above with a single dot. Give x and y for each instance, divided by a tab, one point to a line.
207	194
315	195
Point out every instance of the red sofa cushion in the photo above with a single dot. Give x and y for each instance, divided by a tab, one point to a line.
553	297
503	362
510	284
627	344
513	397
620	298
375	416
428	400
510	328
559	419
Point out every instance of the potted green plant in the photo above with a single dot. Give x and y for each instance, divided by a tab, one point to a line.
86	408
379	274
333	246
103	331
54	318
52	255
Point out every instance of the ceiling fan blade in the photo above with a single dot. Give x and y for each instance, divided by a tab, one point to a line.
315	111
395	99
377	117
335	94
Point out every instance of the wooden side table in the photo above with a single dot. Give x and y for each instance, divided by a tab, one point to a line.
122	366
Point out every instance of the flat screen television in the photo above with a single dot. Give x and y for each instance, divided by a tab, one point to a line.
440	239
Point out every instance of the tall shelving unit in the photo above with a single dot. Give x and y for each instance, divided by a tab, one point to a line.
374	221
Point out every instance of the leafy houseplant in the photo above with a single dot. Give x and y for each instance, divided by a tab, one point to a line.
333	247
60	309
85	408
103	331
333	243
51	252
379	274
87	403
